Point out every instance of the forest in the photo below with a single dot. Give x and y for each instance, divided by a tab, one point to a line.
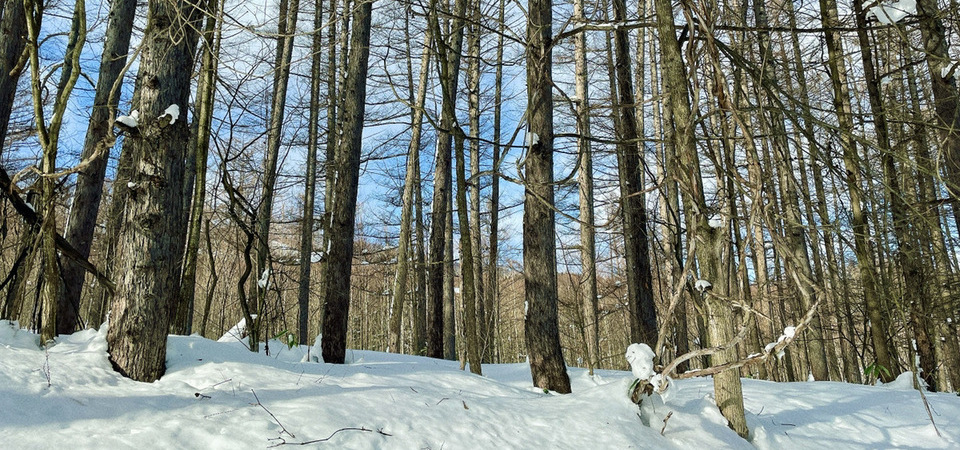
753	189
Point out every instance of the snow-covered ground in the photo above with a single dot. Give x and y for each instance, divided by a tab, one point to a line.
69	397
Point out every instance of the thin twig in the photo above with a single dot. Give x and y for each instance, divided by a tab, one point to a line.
282	428
283	441
665	419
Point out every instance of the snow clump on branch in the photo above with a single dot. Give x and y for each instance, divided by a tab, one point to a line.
891	14
130	121
702	286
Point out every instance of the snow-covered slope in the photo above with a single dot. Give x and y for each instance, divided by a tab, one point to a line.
219	395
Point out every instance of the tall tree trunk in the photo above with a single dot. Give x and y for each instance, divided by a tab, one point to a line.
670	211
588	239
934	229
184	309
907	252
82	218
797	257
643	313
467	274
539	233
344	204
851	161
310	183
493	286
13	37
448	63
286	30
48	135
333	133
830	281
709	241
473	97
151	250
417	102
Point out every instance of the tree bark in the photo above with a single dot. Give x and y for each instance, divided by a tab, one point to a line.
82	218
797	257
286	31
493	286
410	185
473	184
643	313
907	252
588	239
150	248
310	179
448	63
467	276
344	204
539	233
184	309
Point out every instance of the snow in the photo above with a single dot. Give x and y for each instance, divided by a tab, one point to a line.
264	280
640	357
534	139
949	69
132	120
218	395
173	111
891	14
788	333
715	222
702	285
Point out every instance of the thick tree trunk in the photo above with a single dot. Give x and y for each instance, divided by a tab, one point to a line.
150	249
539	234
643	313
344	205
